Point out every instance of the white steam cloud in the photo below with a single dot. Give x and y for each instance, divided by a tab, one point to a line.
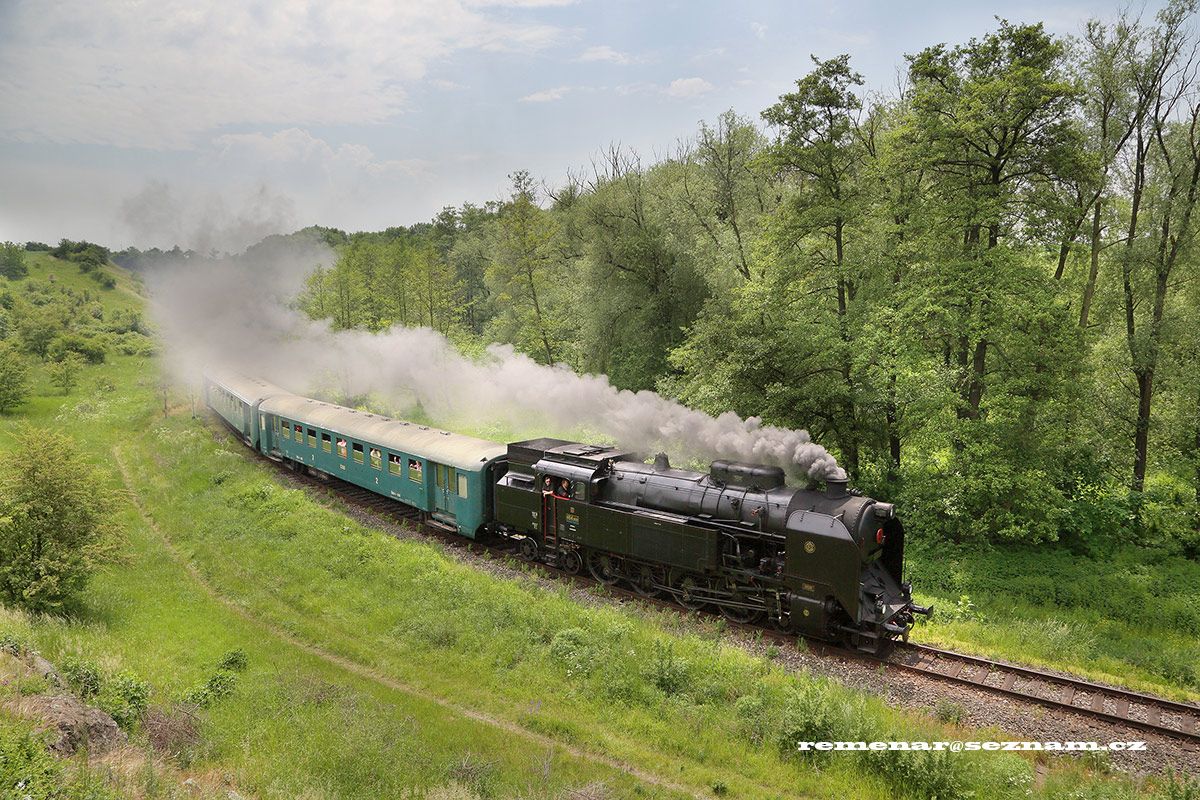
233	314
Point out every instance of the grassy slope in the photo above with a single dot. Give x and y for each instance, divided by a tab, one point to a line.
378	665
1132	618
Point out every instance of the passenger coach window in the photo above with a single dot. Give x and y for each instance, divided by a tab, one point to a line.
376	459
342	448
395	465
326	443
462	486
287	429
414	470
312	438
299	434
358	452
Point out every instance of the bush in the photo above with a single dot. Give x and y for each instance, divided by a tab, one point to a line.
570	648
64	373
90	348
219	686
125	697
29	772
82	676
815	713
666	672
12	261
14	378
54	517
233	661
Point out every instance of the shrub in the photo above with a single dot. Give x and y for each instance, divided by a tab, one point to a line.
54	520
233	661
172	732
125	698
83	676
570	648
90	348
920	773
219	686
64	373
752	717
14	378
666	672
12	261
26	767
950	712
12	645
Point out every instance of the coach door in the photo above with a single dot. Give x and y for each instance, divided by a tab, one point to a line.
444	493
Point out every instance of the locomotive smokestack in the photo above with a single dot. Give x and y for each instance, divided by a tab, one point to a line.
835	488
661	462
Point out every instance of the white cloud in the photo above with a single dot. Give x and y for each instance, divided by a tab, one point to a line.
162	75
689	87
547	95
295	146
605	53
445	85
759	29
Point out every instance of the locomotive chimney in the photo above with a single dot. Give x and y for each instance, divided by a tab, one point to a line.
661	462
835	488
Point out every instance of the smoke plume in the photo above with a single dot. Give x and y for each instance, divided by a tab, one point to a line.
233	314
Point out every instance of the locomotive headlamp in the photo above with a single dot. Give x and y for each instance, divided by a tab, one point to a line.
884	510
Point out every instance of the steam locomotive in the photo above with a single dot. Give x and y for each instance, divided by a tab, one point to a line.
823	563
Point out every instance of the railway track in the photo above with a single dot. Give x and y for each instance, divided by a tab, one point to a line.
1143	712
1122	706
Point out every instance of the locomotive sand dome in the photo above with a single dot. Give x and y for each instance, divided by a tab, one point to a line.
737	539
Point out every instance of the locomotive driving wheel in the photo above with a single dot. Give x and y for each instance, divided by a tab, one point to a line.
529	549
646	580
687	592
604	568
733	608
570	562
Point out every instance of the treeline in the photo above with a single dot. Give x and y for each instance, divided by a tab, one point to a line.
980	291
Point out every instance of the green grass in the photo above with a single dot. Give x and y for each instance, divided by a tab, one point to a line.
1132	618
383	668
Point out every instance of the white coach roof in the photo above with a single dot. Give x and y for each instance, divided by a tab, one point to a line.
248	390
442	447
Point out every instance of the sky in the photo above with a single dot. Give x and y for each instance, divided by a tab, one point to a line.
212	125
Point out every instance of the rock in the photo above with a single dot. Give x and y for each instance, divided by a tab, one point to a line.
71	723
43	668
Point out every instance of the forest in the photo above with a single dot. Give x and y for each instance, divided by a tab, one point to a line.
979	290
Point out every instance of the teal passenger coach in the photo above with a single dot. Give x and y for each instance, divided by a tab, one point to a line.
448	476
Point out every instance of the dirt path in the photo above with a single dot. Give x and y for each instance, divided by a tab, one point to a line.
371	674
